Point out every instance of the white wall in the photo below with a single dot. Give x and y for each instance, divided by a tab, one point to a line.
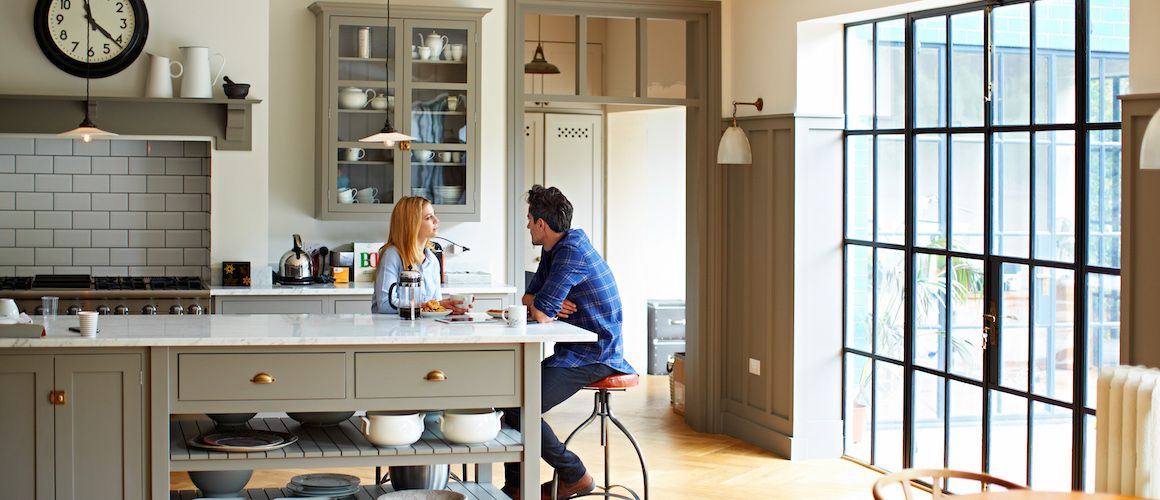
240	30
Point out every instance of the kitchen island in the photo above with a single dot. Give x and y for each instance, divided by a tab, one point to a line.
117	434
334	298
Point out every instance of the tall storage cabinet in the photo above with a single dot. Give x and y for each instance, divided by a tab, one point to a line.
428	83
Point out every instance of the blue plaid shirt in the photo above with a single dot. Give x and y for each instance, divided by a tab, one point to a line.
573	270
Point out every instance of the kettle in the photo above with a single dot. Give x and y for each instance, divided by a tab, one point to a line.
295	267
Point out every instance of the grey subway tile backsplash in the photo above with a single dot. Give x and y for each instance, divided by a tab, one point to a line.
72	269
107	207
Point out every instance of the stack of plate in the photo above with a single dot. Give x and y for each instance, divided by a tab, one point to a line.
323	485
243	440
448	194
422	192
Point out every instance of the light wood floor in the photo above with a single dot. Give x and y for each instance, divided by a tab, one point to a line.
683	464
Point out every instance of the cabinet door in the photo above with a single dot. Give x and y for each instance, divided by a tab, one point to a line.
100	435
574	163
26	463
270	305
533	174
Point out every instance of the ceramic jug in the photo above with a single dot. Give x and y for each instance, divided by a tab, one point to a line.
435	42
158	83
197	81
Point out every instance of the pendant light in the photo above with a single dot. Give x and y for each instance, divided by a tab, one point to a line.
388	135
539	64
87	130
734	148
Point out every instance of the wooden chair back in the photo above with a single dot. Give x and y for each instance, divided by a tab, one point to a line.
938	482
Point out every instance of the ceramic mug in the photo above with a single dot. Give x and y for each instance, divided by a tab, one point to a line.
346	195
464	300
445	156
424	53
452	103
423	155
353	154
8	309
515	315
367	195
455	50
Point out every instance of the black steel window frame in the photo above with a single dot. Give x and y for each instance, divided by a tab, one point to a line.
1082	126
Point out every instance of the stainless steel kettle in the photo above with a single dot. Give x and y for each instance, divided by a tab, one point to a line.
296	267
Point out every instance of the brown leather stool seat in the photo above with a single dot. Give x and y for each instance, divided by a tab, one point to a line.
618	381
602	408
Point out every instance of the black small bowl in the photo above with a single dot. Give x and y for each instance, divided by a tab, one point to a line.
236	90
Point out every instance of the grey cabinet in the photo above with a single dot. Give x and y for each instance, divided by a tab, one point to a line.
429	94
72	425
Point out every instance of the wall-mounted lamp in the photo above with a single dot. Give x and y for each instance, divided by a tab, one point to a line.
1150	146
734	147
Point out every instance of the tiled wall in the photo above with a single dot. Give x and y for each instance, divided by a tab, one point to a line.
106	208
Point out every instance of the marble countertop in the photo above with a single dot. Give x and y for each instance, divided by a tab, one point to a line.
360	288
291	330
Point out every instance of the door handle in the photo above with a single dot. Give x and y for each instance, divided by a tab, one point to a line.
56	398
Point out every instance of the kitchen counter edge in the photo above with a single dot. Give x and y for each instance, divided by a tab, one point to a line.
343	289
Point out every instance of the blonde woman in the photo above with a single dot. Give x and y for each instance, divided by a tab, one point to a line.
413	224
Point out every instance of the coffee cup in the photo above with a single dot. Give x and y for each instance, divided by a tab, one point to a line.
88	323
8	309
424	53
414	52
353	154
346	195
515	315
456	156
367	195
463	300
423	155
452	103
455	51
445	156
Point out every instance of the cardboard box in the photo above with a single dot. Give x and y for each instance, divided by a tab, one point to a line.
366	260
341	274
677	384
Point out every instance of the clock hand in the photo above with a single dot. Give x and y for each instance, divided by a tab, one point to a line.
98	27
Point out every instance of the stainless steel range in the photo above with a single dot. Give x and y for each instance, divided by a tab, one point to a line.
109	294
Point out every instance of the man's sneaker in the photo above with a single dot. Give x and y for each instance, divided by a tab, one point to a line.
566	490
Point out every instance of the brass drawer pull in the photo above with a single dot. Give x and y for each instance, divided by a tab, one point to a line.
56	397
263	378
436	376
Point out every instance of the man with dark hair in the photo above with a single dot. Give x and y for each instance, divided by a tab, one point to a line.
575	285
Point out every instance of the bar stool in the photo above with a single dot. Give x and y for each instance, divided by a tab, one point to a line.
601	408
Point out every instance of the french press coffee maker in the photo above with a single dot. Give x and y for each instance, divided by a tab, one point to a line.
410	284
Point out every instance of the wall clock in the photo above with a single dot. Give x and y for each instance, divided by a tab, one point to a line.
91	38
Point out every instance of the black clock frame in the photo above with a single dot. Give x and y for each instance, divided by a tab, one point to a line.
73	67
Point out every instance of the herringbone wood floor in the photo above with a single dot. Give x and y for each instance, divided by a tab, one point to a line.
683	464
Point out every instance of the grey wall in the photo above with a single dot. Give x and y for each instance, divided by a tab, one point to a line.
107	208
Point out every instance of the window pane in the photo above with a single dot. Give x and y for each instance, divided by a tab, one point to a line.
1050	447
967	318
1012	193
1014	324
1089	453
888	416
558	39
1103	328
859	401
889	307
965	449
930	310
667	76
930	72
891	195
1104	191
1055	61
967	69
1107	58
1008	453
859	74
967	181
860	187
930	400
616	62
859	297
1054	299
891	75
1055	196
930	187
1011	34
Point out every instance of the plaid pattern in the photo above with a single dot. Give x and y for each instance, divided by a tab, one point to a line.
573	270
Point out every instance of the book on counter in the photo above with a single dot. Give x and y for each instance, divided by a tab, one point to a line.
21	331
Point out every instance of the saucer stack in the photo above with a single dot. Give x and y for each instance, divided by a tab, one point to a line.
323	485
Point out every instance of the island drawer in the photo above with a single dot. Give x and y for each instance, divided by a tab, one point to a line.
410	374
233	377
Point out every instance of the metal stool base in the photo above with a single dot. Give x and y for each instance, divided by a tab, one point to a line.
601	408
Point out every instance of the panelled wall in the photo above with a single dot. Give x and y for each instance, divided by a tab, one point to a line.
783	282
1139	316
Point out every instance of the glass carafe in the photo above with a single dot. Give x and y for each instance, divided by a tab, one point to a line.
410	286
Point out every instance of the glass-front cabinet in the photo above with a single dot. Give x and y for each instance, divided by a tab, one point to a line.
427	82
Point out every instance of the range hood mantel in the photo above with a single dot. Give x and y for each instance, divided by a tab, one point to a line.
227	120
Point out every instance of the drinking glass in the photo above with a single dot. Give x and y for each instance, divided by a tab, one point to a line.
48	305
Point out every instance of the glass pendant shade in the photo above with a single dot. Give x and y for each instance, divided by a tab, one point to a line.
734	148
540	65
86	131
1150	145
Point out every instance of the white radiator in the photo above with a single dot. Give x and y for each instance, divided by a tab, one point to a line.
1128	431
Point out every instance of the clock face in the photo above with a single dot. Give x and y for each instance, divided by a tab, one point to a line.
95	38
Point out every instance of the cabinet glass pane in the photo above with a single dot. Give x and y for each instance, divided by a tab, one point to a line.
439	175
362	111
363	55
439	55
369	172
439	116
616	62
666	58
559	43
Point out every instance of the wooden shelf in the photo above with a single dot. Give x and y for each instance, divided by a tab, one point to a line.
439	61
473	491
336	446
379	60
229	121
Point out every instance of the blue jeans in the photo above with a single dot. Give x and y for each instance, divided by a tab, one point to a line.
558	384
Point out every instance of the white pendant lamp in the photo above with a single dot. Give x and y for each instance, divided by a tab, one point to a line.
734	148
87	130
388	135
1150	146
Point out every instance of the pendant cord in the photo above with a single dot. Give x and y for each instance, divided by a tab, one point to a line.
88	65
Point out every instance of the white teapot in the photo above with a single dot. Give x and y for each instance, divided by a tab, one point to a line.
435	42
354	97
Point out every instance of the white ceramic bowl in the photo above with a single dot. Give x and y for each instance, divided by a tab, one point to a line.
392	428
470	426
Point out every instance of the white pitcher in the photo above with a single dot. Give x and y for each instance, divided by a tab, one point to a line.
158	83
197	81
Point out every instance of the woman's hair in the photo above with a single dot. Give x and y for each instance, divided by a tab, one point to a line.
552	206
406	221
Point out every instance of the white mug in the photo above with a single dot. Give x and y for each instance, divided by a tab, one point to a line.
367	195
515	315
159	80
445	156
197	81
452	103
354	154
346	195
464	300
8	309
455	50
424	53
423	155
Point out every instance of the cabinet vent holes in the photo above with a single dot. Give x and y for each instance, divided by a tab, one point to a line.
572	132
527	130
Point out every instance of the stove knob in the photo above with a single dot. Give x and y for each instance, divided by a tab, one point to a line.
176	309
196	309
74	309
121	310
149	309
103	310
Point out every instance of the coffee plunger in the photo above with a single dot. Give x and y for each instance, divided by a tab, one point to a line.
410	285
